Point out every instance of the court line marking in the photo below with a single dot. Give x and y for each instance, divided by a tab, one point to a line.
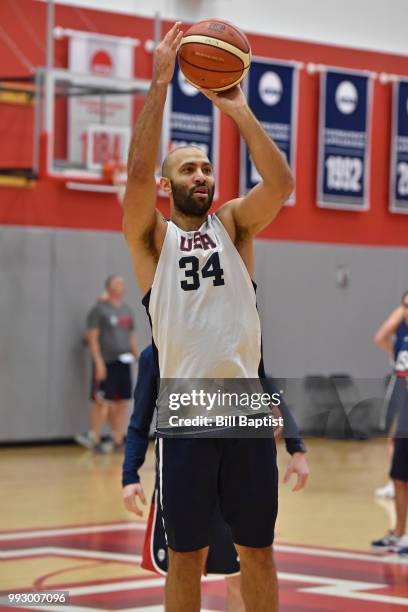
22	535
70	552
338	587
129	558
129	585
338	554
328	586
337	590
331	553
334	587
322	552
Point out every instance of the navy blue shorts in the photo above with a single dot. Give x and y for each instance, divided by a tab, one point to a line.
117	385
240	475
397	404
399	466
222	556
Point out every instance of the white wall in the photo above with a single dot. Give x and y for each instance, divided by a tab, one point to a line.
378	25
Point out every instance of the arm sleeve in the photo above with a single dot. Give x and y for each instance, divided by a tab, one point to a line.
291	433
93	318
137	438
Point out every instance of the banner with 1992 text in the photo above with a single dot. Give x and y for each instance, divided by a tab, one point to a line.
344	139
271	89
190	118
399	149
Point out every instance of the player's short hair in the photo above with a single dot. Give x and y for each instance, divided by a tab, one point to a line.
404	295
110	279
165	169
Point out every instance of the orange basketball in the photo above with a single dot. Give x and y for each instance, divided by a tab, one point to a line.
214	54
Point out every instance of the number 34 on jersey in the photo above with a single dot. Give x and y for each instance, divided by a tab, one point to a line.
193	276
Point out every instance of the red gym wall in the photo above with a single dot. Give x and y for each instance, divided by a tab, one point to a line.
50	204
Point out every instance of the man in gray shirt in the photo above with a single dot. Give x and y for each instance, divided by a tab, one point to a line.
112	343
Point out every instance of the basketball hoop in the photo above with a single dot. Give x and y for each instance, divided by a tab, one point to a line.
117	175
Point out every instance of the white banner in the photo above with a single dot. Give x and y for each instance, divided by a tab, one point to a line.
89	145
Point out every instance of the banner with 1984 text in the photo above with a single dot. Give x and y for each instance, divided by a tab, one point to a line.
399	149
271	89
344	140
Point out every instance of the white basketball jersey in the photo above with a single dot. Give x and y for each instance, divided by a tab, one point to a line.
203	307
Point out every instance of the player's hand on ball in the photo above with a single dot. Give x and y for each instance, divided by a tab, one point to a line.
227	101
165	55
297	465
130	495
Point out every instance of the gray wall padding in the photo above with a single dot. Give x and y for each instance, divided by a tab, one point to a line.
50	278
25	277
310	325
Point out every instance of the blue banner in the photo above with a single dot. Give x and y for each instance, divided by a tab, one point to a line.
399	151
343	166
271	90
190	118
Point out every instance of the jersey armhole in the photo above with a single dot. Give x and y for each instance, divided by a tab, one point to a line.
250	279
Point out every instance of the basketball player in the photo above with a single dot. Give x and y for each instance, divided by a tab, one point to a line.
388	338
222	557
393	338
101	414
112	344
195	274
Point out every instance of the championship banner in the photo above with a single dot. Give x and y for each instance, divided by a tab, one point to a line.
271	90
399	149
343	165
190	118
98	127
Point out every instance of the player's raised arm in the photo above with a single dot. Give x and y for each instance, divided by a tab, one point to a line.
140	198
383	336
261	205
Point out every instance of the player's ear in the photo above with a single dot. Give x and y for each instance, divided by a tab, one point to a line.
165	185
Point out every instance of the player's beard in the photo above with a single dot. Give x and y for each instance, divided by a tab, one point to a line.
185	202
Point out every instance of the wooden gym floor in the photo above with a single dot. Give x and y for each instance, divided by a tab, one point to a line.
63	527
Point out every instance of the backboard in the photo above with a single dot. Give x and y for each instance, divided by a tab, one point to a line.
83	122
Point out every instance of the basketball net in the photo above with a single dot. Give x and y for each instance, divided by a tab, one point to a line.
117	175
